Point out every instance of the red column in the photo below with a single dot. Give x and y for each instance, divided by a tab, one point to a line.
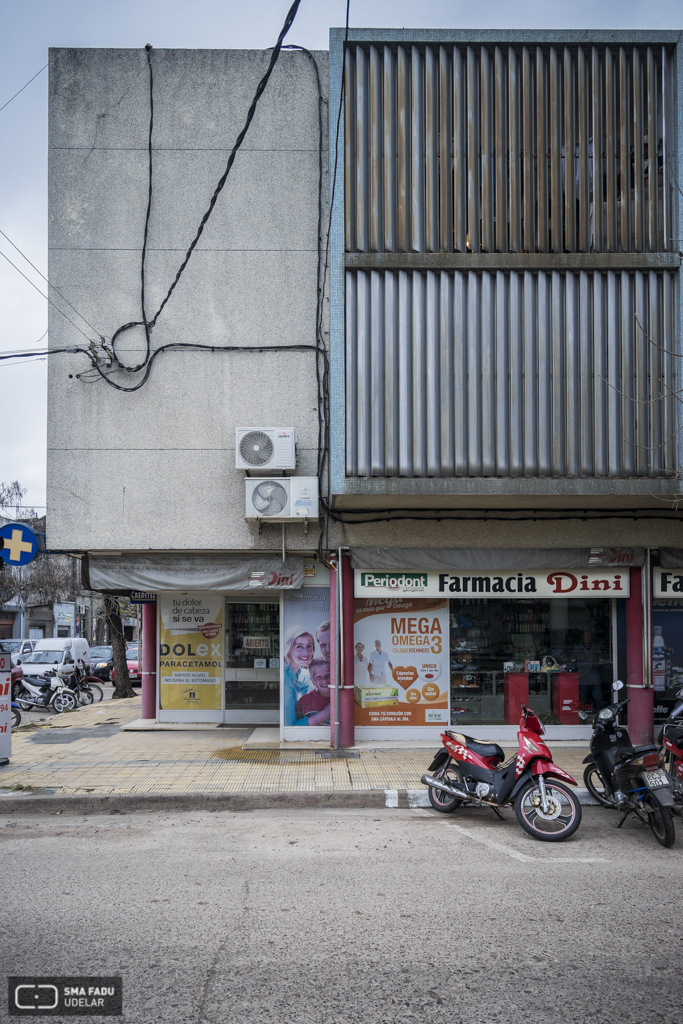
149	661
641	708
346	701
334	643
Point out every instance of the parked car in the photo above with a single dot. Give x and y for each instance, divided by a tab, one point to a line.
134	673
19	649
62	653
102	662
17	676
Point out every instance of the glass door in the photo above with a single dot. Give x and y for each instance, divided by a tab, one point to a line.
252	656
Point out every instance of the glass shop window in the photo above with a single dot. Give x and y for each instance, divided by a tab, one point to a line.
561	649
252	654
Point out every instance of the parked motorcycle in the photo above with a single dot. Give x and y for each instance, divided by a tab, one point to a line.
671	738
46	691
469	772
625	777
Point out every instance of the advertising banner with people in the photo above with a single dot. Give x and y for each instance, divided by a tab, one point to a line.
401	671
306	656
191	651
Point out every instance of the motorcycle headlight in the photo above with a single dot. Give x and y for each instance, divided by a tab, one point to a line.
606	714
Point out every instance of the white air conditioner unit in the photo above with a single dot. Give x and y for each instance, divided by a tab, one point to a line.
264	449
281	499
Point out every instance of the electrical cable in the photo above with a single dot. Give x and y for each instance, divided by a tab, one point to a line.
365	516
45	296
22	88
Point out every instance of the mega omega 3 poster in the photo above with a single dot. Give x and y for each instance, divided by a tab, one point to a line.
401	671
190	654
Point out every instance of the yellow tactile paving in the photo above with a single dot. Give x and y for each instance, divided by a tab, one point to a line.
211	761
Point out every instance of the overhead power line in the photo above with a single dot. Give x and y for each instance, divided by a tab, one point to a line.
22	88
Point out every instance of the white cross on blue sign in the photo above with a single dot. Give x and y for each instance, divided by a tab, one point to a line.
20	544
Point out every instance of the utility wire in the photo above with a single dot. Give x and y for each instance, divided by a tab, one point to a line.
22	88
49	284
45	296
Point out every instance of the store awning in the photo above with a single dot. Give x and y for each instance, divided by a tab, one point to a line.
121	573
494	558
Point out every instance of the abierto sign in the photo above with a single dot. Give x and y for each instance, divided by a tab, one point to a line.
554	583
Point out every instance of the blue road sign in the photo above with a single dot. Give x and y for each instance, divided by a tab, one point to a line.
20	544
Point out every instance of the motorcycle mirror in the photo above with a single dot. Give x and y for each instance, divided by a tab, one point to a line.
583	716
617	685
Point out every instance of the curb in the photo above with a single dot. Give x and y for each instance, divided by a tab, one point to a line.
122	803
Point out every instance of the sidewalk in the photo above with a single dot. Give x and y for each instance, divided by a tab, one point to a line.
87	752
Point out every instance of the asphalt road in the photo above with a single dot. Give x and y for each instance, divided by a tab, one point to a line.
349	916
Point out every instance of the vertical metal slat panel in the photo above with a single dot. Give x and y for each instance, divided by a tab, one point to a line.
487	168
569	153
641	366
667	154
405	372
625	381
389	165
541	151
433	366
446	392
445	151
461	392
417	144
350	150
392	397
654	351
503	378
529	149
530	364
473	172
487	385
652	153
624	150
574	373
403	149
602	421
431	151
543	364
615	413
515	143
611	140
351	390
669	376
516	374
559	391
583	106
459	152
638	155
590	429
419	375
474	374
377	376
501	142
362	152
376	153
598	154
555	144
364	375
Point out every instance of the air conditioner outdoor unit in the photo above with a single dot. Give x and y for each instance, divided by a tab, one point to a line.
281	499
264	449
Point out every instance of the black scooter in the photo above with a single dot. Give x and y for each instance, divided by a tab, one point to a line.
625	777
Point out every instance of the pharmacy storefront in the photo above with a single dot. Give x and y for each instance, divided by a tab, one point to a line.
447	645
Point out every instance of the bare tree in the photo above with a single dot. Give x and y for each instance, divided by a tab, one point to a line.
112	613
10	499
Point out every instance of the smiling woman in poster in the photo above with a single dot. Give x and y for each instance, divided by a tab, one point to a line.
298	654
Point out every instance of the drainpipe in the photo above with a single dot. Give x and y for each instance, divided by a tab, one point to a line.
639	689
149	660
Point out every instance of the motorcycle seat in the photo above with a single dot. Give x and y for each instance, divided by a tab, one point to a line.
674	733
644	747
485	749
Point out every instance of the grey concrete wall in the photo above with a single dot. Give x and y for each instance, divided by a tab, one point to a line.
155	469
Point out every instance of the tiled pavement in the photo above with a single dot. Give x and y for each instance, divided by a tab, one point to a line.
86	752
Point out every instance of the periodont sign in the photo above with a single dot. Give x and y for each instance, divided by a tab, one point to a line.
554	583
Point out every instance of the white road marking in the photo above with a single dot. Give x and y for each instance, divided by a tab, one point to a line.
509	852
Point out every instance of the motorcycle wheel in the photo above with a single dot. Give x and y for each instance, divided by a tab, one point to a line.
63	702
441	801
596	787
660	820
16	717
564	815
95	689
85	697
23	704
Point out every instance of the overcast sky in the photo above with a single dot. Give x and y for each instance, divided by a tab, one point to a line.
29	27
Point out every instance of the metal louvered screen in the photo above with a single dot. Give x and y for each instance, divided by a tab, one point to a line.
508	149
509	374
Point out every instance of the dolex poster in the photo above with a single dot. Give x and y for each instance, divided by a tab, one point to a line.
191	651
401	666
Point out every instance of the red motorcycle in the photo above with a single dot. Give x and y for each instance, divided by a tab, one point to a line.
671	736
469	772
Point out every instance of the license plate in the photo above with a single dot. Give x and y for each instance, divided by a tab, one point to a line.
654	780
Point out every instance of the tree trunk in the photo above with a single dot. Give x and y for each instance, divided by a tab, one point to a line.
112	612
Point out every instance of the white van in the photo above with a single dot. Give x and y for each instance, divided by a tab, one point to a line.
62	653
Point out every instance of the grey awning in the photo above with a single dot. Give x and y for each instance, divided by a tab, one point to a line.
493	558
671	558
120	573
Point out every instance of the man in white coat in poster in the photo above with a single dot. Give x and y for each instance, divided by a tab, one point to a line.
378	661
